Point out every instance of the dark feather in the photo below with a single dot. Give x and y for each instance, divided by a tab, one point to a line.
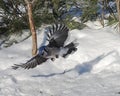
53	28
48	35
58	36
56	27
71	48
36	60
46	50
47	39
50	31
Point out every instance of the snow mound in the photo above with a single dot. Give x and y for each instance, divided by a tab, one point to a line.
93	70
96	24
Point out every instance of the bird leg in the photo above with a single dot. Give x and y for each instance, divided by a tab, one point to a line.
56	56
53	59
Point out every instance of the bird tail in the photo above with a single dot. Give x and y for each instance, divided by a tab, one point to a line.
71	48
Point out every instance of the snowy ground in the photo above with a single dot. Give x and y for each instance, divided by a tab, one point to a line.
94	70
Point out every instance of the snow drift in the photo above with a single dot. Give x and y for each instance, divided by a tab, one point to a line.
93	70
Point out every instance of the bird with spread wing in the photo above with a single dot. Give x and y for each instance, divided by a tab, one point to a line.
56	37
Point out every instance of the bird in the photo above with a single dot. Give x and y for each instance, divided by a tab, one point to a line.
56	37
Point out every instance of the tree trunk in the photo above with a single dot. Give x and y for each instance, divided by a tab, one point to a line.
118	10
32	29
102	17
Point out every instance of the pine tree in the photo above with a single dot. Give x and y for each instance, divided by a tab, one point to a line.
13	19
89	13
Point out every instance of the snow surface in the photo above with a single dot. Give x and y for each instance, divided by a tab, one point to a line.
93	70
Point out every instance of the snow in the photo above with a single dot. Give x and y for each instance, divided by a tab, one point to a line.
93	70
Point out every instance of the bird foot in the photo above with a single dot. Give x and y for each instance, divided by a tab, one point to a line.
57	56
53	59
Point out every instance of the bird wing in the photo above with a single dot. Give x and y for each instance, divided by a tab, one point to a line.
33	62
57	35
71	48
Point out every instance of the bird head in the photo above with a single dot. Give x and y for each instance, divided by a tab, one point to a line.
42	50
